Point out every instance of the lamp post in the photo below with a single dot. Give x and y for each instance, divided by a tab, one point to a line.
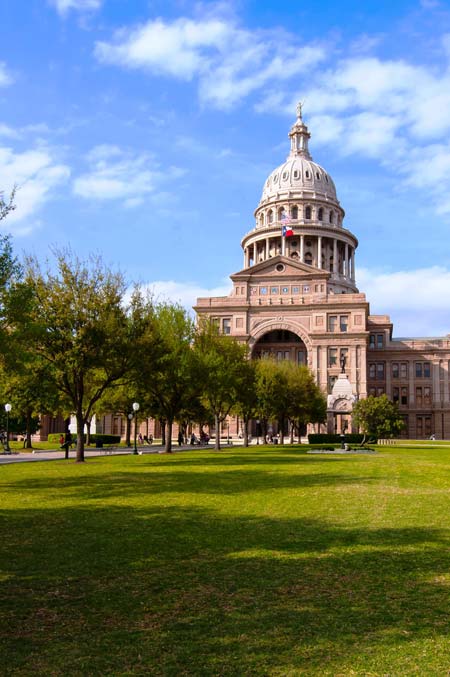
7	447
135	409
257	430
130	418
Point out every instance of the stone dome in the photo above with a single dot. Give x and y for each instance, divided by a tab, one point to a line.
299	173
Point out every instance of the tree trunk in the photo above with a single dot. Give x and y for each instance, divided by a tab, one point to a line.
291	423
80	436
168	445
162	422
245	432
88	432
281	430
217	424
128	432
28	444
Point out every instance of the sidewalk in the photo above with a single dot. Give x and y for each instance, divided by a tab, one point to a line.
55	455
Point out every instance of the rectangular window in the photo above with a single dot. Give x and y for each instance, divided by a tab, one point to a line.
332	322
239	322
404	396
306	289
380	391
419	396
285	290
380	340
295	290
427	423
372	392
301	359
419	371
343	322
395	370
332	357
380	371
427	395
215	321
372	370
274	290
280	355
396	395
372	341
263	291
226	325
426	369
404	370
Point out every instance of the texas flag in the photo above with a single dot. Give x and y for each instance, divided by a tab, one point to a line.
286	230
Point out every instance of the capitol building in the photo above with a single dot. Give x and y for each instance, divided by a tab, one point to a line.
296	298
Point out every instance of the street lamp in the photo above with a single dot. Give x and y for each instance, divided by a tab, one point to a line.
135	409
7	447
258	430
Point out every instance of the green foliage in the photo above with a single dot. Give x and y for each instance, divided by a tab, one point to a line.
220	361
325	438
378	417
7	206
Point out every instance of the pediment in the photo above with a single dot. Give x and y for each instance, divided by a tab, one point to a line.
292	268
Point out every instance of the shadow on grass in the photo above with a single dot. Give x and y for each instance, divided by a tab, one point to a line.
170	591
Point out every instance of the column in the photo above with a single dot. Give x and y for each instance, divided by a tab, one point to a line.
335	258
283	246
352	260
267	248
246	258
319	251
436	384
302	248
346	261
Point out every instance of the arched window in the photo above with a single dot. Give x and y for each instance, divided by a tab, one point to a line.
294	255
295	212
308	258
308	212
320	214
281	211
331	217
270	216
261	219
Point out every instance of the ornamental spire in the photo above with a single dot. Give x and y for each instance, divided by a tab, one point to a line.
299	136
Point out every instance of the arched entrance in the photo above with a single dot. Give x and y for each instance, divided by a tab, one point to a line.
281	344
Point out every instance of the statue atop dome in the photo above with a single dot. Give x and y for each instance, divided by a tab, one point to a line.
299	110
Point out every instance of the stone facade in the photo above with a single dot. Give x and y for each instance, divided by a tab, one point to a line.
296	298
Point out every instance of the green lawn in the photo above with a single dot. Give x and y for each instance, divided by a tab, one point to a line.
244	562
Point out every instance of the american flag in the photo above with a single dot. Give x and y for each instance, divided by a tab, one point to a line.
285	219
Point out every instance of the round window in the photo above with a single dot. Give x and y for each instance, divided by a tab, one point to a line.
279	267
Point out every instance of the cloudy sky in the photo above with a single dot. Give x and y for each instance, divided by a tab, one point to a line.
145	130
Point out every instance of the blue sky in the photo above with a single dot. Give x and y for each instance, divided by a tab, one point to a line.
144	131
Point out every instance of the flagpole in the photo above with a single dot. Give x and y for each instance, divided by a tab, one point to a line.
283	242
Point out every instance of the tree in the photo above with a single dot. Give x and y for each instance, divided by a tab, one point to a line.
378	417
273	393
221	361
168	380
246	406
307	403
79	325
7	206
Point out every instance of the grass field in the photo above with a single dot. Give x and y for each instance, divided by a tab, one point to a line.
244	562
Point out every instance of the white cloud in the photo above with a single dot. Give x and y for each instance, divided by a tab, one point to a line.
185	293
416	300
115	174
36	173
64	6
228	61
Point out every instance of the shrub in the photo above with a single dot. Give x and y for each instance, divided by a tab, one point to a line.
106	439
324	438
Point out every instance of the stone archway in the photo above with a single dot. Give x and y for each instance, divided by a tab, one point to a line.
279	330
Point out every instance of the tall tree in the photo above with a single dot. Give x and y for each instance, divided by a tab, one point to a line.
273	393
307	403
246	406
378	417
82	329
168	382
222	361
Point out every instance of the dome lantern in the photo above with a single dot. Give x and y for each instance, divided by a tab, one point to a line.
299	136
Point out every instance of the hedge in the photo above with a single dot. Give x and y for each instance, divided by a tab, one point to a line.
323	438
106	439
